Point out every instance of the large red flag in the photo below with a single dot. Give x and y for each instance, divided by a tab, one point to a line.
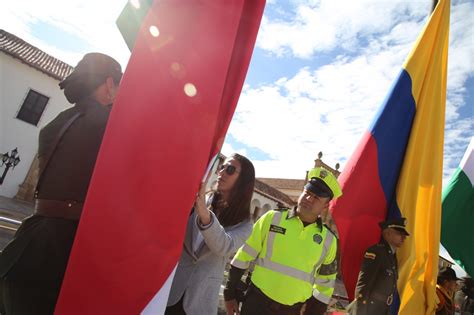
175	103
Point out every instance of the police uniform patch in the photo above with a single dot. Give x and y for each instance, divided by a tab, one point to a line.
323	174
277	229
370	255
317	238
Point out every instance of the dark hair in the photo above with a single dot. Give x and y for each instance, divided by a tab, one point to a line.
91	72
240	196
441	280
467	285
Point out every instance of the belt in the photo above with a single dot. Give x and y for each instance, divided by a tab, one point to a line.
70	210
382	298
273	305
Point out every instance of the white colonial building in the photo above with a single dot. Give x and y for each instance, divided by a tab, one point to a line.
29	99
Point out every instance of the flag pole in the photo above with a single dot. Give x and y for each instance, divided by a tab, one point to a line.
434	3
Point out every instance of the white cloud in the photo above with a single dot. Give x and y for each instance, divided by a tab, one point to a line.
457	137
461	51
327	24
318	109
324	110
459	130
228	149
328	108
91	21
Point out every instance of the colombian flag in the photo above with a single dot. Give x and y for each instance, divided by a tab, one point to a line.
396	171
175	103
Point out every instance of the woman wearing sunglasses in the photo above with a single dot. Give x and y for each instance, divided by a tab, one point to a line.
218	225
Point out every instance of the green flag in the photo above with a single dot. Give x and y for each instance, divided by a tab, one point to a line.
131	18
457	221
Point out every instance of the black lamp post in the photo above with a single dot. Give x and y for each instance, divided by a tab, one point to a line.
9	160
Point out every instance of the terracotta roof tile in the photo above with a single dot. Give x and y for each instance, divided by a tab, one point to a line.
283	183
33	57
272	192
267	190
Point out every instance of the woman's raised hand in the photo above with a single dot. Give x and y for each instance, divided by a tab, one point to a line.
200	206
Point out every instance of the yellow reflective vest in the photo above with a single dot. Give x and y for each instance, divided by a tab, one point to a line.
292	261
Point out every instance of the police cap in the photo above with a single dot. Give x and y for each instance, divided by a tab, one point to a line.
323	183
397	224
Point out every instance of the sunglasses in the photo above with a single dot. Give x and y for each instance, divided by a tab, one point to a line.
228	168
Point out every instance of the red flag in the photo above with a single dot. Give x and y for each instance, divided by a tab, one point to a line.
175	103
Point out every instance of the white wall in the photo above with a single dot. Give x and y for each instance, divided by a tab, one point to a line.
263	204
16	79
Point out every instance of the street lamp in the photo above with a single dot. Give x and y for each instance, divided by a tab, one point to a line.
9	160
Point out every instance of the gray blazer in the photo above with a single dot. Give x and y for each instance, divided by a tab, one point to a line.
199	275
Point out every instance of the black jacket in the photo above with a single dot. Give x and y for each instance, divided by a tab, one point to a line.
37	256
377	281
69	170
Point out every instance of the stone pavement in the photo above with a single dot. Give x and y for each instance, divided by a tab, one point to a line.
14	208
12	211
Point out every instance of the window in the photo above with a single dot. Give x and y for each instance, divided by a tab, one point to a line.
32	107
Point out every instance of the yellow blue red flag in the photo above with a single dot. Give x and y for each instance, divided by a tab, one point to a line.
396	171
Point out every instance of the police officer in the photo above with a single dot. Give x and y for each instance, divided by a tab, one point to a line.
377	282
33	264
294	254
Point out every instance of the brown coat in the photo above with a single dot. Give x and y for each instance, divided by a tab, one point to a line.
446	303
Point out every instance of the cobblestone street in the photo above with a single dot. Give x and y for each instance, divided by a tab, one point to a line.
12	211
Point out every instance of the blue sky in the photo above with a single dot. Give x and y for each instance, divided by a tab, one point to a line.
319	71
336	68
